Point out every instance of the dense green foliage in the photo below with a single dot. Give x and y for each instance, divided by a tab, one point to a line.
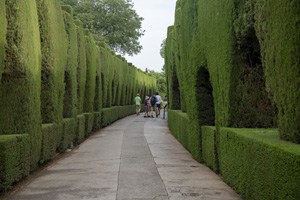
80	134
161	83
54	59
20	83
70	74
109	115
55	81
68	133
209	154
50	141
15	159
279	35
260	165
235	63
112	21
2	34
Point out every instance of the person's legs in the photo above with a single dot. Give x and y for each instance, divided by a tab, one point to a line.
149	111
152	111
137	109
158	109
146	111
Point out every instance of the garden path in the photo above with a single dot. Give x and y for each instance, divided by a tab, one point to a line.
133	159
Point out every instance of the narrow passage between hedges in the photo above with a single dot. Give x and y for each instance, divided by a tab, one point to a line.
134	158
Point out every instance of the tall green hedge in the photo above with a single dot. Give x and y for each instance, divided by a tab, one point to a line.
235	63
15	159
278	29
81	70
90	86
54	83
54	59
70	74
109	114
21	78
2	34
248	88
259	165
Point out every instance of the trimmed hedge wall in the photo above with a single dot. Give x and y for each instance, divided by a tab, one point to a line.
89	122
54	59
81	70
2	35
21	77
180	126
97	121
70	74
15	159
209	151
259	165
54	82
236	64
50	141
112	114
68	134
279	36
80	134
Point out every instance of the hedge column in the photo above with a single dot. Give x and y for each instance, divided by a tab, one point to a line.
54	57
21	78
2	34
279	35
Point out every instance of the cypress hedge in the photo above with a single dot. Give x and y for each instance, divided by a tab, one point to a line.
209	153
54	59
235	64
91	61
81	70
279	35
15	159
259	165
70	74
55	81
109	114
2	34
50	141
21	77
80	133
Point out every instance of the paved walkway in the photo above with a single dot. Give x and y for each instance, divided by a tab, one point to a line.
133	159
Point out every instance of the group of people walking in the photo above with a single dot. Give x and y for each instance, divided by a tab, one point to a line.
152	105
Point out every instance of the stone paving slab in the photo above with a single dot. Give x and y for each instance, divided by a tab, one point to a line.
133	159
184	178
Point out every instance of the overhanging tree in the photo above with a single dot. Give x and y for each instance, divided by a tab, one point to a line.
112	21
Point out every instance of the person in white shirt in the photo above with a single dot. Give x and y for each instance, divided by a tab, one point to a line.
158	104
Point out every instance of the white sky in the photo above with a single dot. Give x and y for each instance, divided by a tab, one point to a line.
158	15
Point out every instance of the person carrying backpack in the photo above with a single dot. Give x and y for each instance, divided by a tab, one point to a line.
153	104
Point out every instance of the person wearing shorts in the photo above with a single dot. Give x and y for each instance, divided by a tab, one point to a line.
158	104
138	101
146	105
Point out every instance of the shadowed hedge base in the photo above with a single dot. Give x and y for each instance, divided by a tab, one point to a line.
55	82
15	159
109	114
235	63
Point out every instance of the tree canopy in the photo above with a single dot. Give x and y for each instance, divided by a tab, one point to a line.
112	21
161	83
